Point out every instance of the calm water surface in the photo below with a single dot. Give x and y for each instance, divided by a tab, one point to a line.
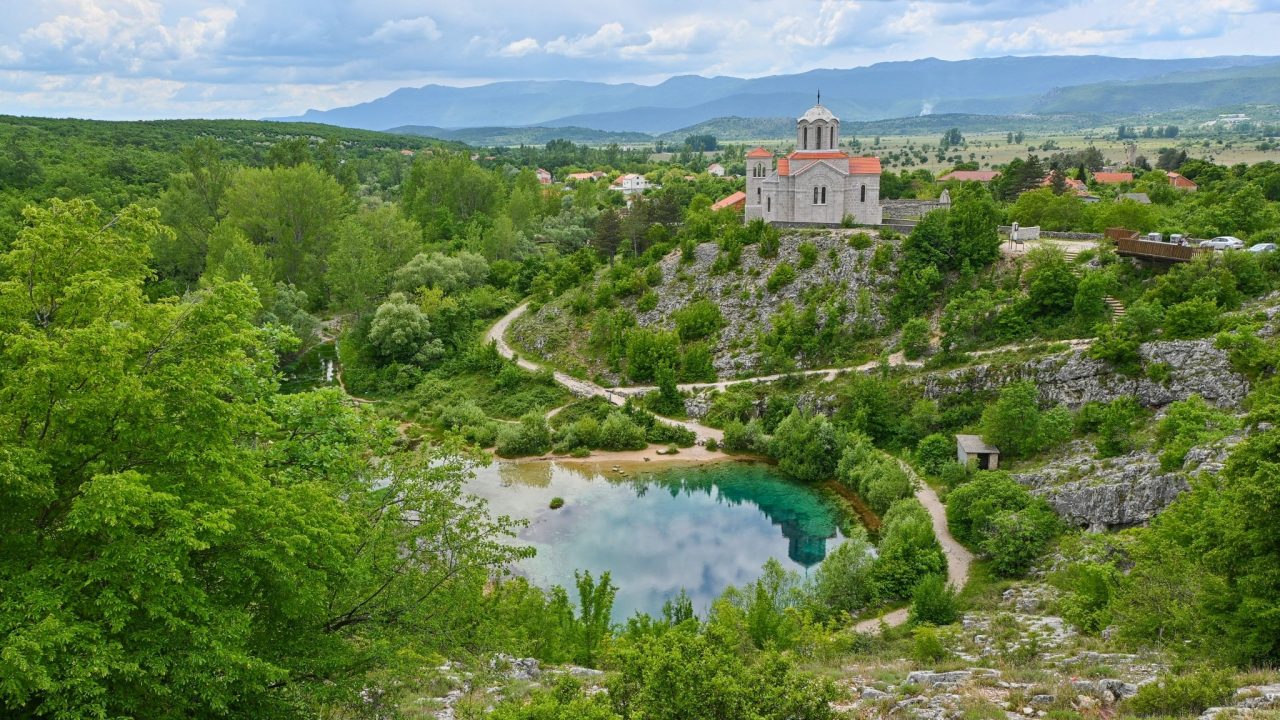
660	529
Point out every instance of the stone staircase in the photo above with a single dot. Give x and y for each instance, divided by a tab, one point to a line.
1117	307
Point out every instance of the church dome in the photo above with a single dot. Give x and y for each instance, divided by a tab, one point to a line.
815	113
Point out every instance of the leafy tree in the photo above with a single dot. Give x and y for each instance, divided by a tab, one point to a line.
909	551
530	436
1193	318
374	244
915	338
1014	539
804	444
1051	286
177	538
935	452
972	222
1012	423
295	213
1188	423
933	602
401	332
843	582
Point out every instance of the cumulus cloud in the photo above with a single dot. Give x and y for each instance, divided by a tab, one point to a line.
279	57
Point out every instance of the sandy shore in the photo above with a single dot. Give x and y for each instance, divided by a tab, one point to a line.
698	454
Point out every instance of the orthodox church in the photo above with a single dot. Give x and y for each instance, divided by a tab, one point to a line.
816	184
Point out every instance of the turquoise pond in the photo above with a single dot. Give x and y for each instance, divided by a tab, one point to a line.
658	529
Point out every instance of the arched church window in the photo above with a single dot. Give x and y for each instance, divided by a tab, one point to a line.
757	196
864	193
815	195
819	137
768	204
806	139
824	194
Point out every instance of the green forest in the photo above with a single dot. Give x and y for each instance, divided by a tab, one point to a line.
183	533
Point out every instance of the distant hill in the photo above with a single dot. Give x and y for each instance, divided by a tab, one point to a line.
507	136
1180	91
997	86
737	129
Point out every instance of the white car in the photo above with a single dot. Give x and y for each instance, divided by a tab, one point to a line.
1263	247
1224	242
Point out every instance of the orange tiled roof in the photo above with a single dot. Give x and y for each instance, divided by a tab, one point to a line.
817	155
734	199
759	153
1112	178
784	166
971	175
864	166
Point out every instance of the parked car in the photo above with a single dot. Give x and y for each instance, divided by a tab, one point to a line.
1224	242
1263	247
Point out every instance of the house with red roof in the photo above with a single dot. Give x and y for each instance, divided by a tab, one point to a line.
1182	182
817	184
982	176
1113	178
736	201
544	176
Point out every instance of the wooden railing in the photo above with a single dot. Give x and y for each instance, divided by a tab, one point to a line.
1156	250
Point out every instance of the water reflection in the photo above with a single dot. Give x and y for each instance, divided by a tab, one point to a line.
660	529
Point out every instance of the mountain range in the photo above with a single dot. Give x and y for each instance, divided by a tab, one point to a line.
984	86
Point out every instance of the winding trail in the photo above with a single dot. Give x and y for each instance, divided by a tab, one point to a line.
583	388
958	557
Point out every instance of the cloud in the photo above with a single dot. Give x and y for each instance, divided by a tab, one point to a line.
419	28
248	57
519	48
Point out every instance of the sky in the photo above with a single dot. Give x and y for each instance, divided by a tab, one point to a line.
142	59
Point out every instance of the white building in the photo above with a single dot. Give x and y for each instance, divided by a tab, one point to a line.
630	184
818	183
716	169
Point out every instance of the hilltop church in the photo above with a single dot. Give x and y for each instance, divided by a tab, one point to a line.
816	184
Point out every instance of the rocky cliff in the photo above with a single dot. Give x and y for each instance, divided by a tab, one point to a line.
1073	378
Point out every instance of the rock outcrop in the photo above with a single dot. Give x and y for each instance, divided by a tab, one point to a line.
1073	378
1118	492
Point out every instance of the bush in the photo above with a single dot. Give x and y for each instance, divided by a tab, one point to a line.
860	241
971	506
619	432
1015	424
1182	695
908	551
713	445
933	602
934	452
781	276
530	437
647	301
746	438
1014	539
843	582
1194	318
1188	423
697	320
556	503
926	645
808	255
915	338
804	444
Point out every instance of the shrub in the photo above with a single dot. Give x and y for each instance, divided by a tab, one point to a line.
1194	318
781	276
908	551
1182	695
1014	539
808	255
530	436
647	301
843	582
971	506
1188	423
926	645
713	445
556	503
915	338
620	432
933	602
804	444
697	320
860	241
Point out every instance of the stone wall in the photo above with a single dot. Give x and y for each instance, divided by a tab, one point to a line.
909	209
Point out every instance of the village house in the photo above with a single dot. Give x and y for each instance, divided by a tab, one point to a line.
584	176
972	449
818	184
631	184
736	201
982	176
544	177
1182	183
1113	178
716	169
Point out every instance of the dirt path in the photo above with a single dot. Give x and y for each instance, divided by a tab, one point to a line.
958	557
583	388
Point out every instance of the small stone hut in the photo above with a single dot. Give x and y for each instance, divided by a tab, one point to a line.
971	448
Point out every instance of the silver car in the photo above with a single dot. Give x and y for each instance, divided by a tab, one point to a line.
1224	242
1263	247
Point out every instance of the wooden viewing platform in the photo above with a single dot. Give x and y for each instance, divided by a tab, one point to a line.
1131	244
